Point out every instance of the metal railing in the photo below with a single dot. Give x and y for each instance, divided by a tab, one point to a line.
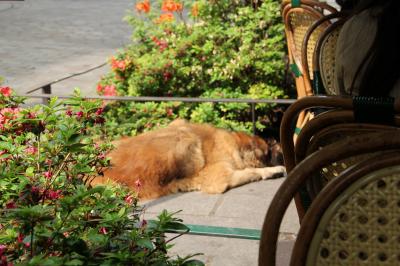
251	102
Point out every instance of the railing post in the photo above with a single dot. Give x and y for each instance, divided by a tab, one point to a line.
253	117
46	89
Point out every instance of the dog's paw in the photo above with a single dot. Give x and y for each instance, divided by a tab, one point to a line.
274	172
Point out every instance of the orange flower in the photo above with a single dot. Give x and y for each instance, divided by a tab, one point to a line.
195	10
143	6
167	17
171	6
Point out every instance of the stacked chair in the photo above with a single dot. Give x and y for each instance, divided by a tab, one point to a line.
343	163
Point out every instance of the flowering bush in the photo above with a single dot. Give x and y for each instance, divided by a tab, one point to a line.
49	213
205	48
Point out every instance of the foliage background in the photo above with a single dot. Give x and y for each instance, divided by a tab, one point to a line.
213	49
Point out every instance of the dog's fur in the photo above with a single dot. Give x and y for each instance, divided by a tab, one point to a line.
186	156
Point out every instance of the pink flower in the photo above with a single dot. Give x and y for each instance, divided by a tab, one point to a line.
138	184
170	112
110	90
79	114
101	156
103	230
66	234
143	223
31	115
5	91
53	195
31	150
35	189
2	249
99	111
129	199
118	64
20	238
48	174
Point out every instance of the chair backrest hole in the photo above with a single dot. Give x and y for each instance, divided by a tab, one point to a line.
362	202
382	203
363	237
382	220
382	257
381	184
343	236
362	219
324	253
343	254
382	239
362	255
343	217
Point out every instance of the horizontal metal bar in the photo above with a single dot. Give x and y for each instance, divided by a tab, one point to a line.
168	99
219	231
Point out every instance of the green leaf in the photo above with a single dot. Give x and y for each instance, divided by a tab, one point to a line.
145	243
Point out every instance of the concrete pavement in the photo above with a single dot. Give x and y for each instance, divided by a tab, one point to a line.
44	40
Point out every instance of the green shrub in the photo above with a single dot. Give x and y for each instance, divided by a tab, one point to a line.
49	214
222	49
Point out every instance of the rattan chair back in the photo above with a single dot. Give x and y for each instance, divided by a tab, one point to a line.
293	156
324	57
355	221
366	143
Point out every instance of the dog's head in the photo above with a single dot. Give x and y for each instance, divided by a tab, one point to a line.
269	152
266	153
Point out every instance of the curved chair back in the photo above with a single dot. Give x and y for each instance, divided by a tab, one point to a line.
355	221
362	144
324	57
347	114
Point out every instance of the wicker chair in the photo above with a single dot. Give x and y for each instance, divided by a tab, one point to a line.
324	58
320	29
330	233
298	17
324	129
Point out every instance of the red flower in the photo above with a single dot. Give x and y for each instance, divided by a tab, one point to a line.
79	114
143	6
99	88
11	205
20	238
99	111
103	230
68	112
5	91
167	75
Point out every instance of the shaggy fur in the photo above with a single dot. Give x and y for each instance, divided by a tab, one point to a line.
186	157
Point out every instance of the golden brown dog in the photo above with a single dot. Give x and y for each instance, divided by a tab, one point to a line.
186	157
